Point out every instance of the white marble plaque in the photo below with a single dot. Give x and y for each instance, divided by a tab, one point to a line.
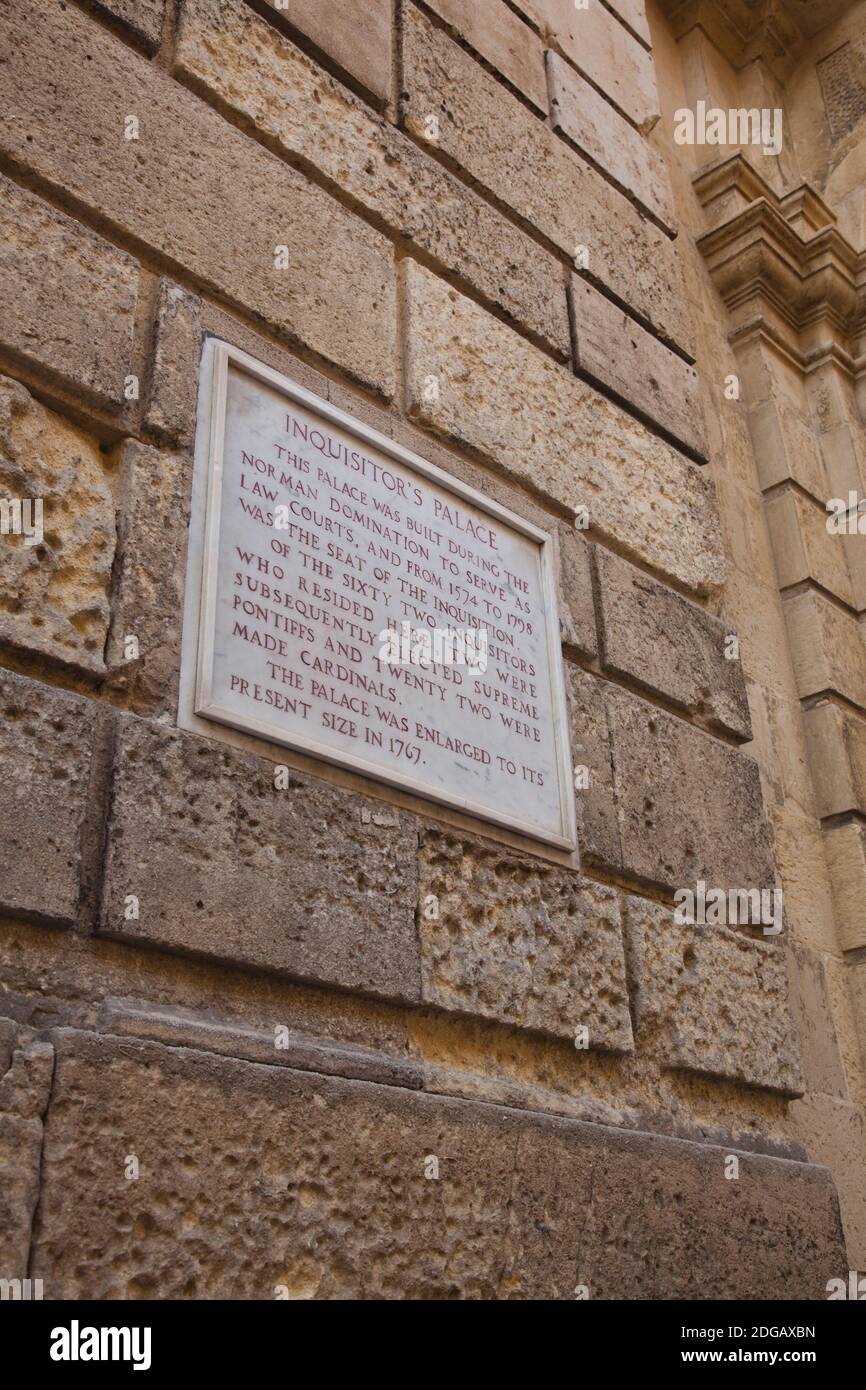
360	605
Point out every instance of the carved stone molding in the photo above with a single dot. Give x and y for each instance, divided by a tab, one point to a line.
781	264
776	31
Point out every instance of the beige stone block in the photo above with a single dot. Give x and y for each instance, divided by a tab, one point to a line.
576	604
46	737
836	744
845	1025
511	939
192	189
142	18
170	405
67	298
812	1014
755	612
506	399
598	833
803	547
325	1178
807	896
855	969
826	647
845	848
623	357
604	51
832	1132
355	33
224	46
710	1000
506	149
633	15
20	1156
652	635
688	806
227	866
497	34
785	447
55	594
606	138
150	575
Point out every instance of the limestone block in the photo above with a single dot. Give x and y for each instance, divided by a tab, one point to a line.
576	606
845	847
803	548
827	647
355	33
494	31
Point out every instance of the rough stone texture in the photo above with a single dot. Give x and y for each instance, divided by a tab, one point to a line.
827	647
845	848
633	15
621	356
503	397
711	1000
67	298
511	939
812	1013
836	744
193	189
604	51
143	18
576	604
602	134
252	69
20	1153
54	595
495	32
835	1134
355	33
523	163
170	405
652	635
803	548
785	447
688	806
324	1180
597	827
46	738
225	865
150	577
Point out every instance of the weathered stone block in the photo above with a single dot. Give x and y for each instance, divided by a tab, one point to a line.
511	939
325	1180
836	746
812	1012
604	51
20	1154
67	298
845	848
150	574
227	866
621	356
496	32
785	447
597	827
711	1000
170	406
355	33
688	806
802	546
258	73
503	397
54	594
633	15
602	134
827	647
506	149
654	636
192	188
143	18
46	737
576	603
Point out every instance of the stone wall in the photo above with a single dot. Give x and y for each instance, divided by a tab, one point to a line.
279	1073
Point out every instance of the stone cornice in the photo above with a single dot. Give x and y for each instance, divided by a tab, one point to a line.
781	260
776	31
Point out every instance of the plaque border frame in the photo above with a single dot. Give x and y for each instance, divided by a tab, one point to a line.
224	354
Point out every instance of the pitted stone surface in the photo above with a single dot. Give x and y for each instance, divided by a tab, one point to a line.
512	939
320	1185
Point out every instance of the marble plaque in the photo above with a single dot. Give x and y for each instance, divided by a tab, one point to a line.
360	605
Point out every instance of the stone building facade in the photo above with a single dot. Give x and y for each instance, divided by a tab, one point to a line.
278	1076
